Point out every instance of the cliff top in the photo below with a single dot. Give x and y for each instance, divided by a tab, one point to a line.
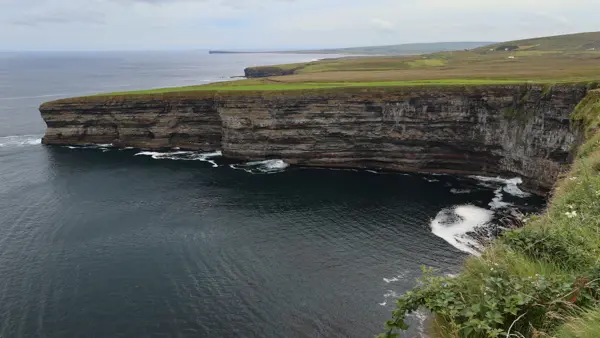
551	60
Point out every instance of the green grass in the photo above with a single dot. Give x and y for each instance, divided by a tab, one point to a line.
262	86
587	325
427	63
579	41
535	63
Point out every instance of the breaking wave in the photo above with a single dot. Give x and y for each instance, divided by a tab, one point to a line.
20	141
456	223
509	186
183	156
262	167
258	167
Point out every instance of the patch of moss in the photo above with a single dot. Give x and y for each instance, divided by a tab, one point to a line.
547	91
587	113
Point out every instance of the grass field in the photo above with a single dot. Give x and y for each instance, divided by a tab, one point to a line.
266	85
544	60
569	42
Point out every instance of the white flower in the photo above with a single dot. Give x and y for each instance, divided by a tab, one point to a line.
571	214
573	178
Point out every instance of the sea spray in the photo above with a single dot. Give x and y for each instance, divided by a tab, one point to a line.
183	156
454	225
20	141
262	167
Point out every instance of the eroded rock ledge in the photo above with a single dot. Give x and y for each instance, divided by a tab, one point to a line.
507	130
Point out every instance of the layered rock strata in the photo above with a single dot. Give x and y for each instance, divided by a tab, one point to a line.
506	130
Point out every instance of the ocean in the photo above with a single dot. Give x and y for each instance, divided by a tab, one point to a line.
103	242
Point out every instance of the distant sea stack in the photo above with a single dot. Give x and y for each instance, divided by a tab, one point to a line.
224	52
508	130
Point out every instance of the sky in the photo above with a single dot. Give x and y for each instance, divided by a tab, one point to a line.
280	24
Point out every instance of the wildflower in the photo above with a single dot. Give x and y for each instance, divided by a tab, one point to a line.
571	214
573	178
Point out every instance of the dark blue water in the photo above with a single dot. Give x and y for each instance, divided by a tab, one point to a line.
99	242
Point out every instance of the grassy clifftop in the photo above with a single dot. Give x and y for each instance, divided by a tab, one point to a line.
539	281
536	64
568	42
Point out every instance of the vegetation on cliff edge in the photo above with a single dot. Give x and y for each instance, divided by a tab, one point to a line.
540	281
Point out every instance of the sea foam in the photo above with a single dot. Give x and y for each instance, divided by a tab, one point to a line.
454	225
262	167
20	141
183	156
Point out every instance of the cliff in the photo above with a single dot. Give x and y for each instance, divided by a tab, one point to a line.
267	71
507	130
143	122
542	280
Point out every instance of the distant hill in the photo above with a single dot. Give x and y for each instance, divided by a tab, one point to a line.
403	49
569	42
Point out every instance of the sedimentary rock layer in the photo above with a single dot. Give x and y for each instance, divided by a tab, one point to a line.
143	122
494	130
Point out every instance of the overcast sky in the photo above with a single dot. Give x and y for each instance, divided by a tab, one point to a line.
260	24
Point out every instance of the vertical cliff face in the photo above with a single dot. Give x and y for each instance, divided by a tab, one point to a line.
143	122
502	130
495	130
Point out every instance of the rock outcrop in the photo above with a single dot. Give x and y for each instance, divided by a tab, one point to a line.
142	121
506	130
267	71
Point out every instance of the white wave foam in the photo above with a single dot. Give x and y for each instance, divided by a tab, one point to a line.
454	224
397	278
460	191
262	167
497	202
20	141
103	147
511	186
391	294
183	156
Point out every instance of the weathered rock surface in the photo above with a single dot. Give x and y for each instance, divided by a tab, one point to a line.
143	122
267	71
504	130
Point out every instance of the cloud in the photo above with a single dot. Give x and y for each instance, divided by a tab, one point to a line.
165	24
60	17
383	25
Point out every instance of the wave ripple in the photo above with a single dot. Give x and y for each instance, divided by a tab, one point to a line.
20	141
